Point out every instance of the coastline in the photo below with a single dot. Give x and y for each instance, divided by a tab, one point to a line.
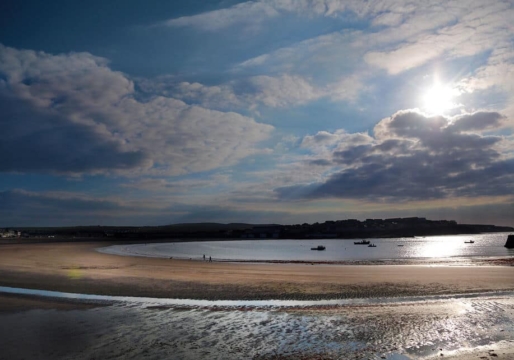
381	328
79	268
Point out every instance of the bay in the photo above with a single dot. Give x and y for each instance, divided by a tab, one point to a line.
430	247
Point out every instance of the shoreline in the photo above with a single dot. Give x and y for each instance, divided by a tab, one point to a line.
79	268
476	260
399	322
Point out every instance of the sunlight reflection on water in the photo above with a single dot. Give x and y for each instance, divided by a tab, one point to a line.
337	250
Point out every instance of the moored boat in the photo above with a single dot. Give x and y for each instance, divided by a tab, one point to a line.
319	248
469	242
362	242
372	245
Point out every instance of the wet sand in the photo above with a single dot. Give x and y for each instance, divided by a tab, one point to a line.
501	354
420	330
77	267
14	303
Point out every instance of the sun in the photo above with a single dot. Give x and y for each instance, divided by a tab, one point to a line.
439	99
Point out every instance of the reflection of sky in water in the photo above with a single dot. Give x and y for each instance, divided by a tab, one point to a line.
337	250
128	331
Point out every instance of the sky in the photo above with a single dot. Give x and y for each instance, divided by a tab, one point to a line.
272	111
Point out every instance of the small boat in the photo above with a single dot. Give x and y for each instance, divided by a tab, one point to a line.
372	245
362	242
319	248
400	244
469	242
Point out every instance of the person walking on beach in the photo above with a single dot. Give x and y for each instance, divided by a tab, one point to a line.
203	257
210	259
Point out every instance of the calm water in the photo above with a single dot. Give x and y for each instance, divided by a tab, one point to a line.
454	246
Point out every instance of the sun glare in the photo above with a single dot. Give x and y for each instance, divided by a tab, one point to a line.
439	99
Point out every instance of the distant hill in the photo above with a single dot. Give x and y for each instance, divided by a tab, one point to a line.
193	227
342	229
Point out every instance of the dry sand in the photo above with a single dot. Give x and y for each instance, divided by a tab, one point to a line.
77	267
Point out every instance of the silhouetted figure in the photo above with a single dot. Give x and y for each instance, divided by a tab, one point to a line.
210	259
203	257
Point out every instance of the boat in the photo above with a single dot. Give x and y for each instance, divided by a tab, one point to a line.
372	245
400	244
319	248
469	242
362	242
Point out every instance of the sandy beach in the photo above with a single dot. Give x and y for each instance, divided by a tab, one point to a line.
401	331
77	267
423	330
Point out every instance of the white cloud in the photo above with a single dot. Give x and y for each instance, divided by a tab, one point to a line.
283	90
310	54
458	31
388	19
244	13
77	100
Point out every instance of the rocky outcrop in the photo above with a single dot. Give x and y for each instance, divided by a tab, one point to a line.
510	242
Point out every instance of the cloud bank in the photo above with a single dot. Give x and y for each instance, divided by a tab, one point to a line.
412	157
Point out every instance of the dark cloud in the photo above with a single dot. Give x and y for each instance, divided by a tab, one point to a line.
416	157
320	162
13	199
41	140
26	208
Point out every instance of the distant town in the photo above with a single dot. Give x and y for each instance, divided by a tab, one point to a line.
340	229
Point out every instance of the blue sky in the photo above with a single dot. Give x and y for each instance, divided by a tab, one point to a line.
272	111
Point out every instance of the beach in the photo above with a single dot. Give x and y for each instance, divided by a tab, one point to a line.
428	327
77	267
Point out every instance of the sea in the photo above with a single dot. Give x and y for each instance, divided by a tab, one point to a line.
411	248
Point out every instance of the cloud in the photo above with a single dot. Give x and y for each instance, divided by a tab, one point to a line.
247	13
71	113
38	140
178	186
20	207
27	208
429	34
325	140
413	157
403	36
279	91
497	74
253	13
311	55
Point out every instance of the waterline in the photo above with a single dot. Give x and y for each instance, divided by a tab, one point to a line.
250	304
